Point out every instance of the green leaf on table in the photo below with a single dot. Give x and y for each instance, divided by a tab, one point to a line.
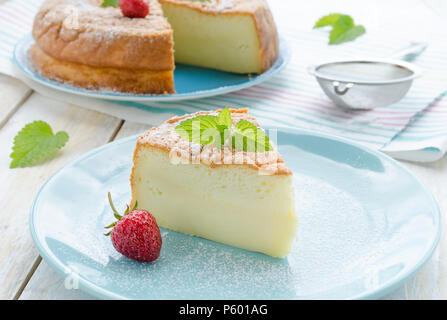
35	143
110	3
343	28
339	37
328	20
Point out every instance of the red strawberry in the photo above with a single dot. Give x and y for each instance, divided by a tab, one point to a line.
134	8
136	234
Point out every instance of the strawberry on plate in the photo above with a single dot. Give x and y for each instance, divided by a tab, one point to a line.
135	234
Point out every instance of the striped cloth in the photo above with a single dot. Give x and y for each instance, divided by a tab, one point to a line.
414	128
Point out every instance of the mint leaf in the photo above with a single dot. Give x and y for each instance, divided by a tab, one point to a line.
328	20
340	27
208	129
224	118
249	137
343	28
200	129
34	143
110	3
337	37
344	22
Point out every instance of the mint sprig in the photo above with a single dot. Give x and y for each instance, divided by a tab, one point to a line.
224	118
207	129
249	137
35	143
343	27
110	3
328	20
199	129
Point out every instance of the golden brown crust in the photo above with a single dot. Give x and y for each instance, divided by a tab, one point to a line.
112	79
257	9
267	36
181	150
81	31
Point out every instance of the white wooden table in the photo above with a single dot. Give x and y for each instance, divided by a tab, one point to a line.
24	275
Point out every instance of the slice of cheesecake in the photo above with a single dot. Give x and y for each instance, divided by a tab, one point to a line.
243	199
231	35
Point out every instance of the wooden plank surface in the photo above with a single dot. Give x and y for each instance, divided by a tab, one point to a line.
131	128
19	261
12	93
434	177
47	284
87	129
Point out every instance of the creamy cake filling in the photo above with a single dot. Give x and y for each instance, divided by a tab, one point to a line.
233	205
222	42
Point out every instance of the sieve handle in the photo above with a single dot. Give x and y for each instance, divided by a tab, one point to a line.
341	90
411	52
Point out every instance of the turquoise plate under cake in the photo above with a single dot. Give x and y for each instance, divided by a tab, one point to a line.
366	224
190	82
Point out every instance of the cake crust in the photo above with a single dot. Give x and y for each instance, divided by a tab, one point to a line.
181	150
138	81
80	31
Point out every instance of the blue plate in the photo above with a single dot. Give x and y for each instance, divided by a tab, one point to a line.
190	82
365	225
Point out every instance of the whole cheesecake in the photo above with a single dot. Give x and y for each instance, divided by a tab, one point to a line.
81	43
242	199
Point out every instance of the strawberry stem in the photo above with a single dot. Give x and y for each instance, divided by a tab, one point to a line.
135	206
115	212
110	225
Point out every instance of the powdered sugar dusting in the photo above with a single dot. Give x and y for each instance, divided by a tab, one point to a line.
87	17
182	151
224	5
343	248
191	267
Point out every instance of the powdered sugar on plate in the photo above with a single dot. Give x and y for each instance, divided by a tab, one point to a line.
352	241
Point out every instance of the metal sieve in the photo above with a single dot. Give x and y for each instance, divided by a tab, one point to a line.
369	83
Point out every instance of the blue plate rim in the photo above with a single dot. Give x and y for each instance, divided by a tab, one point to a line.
285	54
96	291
